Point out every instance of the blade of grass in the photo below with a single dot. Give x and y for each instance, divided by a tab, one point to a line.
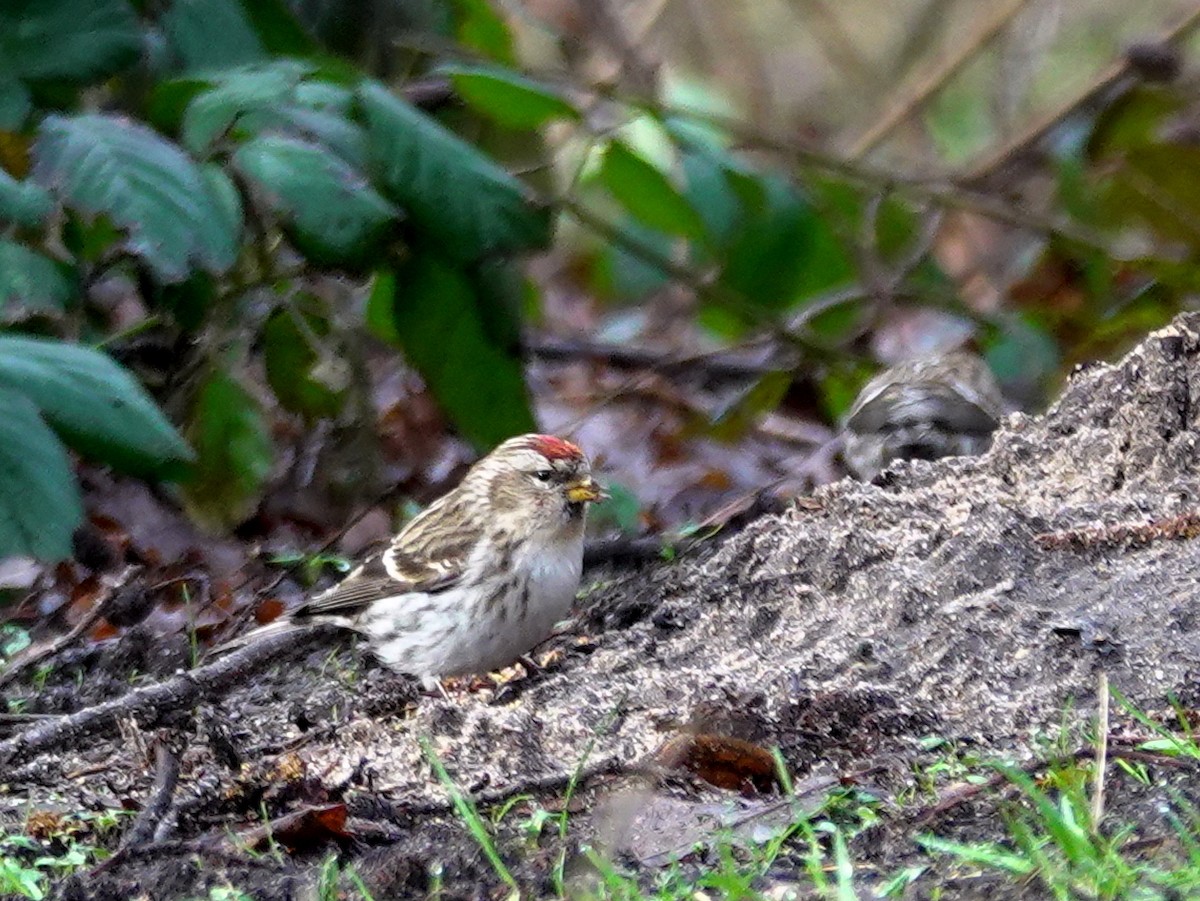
467	811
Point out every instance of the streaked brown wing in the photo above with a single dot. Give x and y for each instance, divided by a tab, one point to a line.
421	558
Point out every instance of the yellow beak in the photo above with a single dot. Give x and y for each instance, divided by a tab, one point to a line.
586	490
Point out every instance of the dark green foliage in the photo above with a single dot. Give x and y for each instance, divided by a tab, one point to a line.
463	202
508	97
647	194
39	503
303	367
237	160
436	321
233	447
172	215
329	210
52	391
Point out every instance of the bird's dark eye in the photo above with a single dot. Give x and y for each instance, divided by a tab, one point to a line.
543	475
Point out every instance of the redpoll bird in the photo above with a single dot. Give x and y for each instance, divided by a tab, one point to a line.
482	574
922	410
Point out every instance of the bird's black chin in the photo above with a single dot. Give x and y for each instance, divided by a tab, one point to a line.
575	511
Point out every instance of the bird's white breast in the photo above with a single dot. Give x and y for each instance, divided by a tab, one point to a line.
453	633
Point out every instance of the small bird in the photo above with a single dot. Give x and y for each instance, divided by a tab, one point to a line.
481	575
925	409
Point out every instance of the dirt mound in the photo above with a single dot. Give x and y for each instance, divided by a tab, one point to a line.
969	599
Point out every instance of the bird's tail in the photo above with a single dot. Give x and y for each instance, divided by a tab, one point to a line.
281	626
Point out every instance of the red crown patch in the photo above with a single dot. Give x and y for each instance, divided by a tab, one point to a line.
555	448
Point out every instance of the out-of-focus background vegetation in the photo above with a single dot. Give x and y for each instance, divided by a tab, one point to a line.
294	260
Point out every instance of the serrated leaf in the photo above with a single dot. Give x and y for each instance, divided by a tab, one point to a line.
32	281
647	194
440	329
464	203
213	112
39	500
332	213
305	380
94	404
23	202
509	98
233	450
145	184
67	40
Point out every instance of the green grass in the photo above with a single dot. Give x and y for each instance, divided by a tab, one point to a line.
1049	836
28	865
1053	837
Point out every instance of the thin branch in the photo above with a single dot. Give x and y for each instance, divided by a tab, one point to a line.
928	87
166	777
1107	79
149	704
725	363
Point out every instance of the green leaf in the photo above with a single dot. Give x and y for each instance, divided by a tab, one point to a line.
1158	184
621	510
212	113
625	275
380	316
331	212
212	34
509	98
742	412
465	204
94	404
78	41
647	194
480	27
783	252
278	28
32	281
272	97
39	501
308	380
172	215
23	202
15	103
711	193
440	329
1133	120
234	453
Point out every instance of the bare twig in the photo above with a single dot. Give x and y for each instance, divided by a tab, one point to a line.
94	615
725	363
151	703
930	85
166	777
1103	83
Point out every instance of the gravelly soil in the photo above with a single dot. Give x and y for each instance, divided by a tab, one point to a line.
971	599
